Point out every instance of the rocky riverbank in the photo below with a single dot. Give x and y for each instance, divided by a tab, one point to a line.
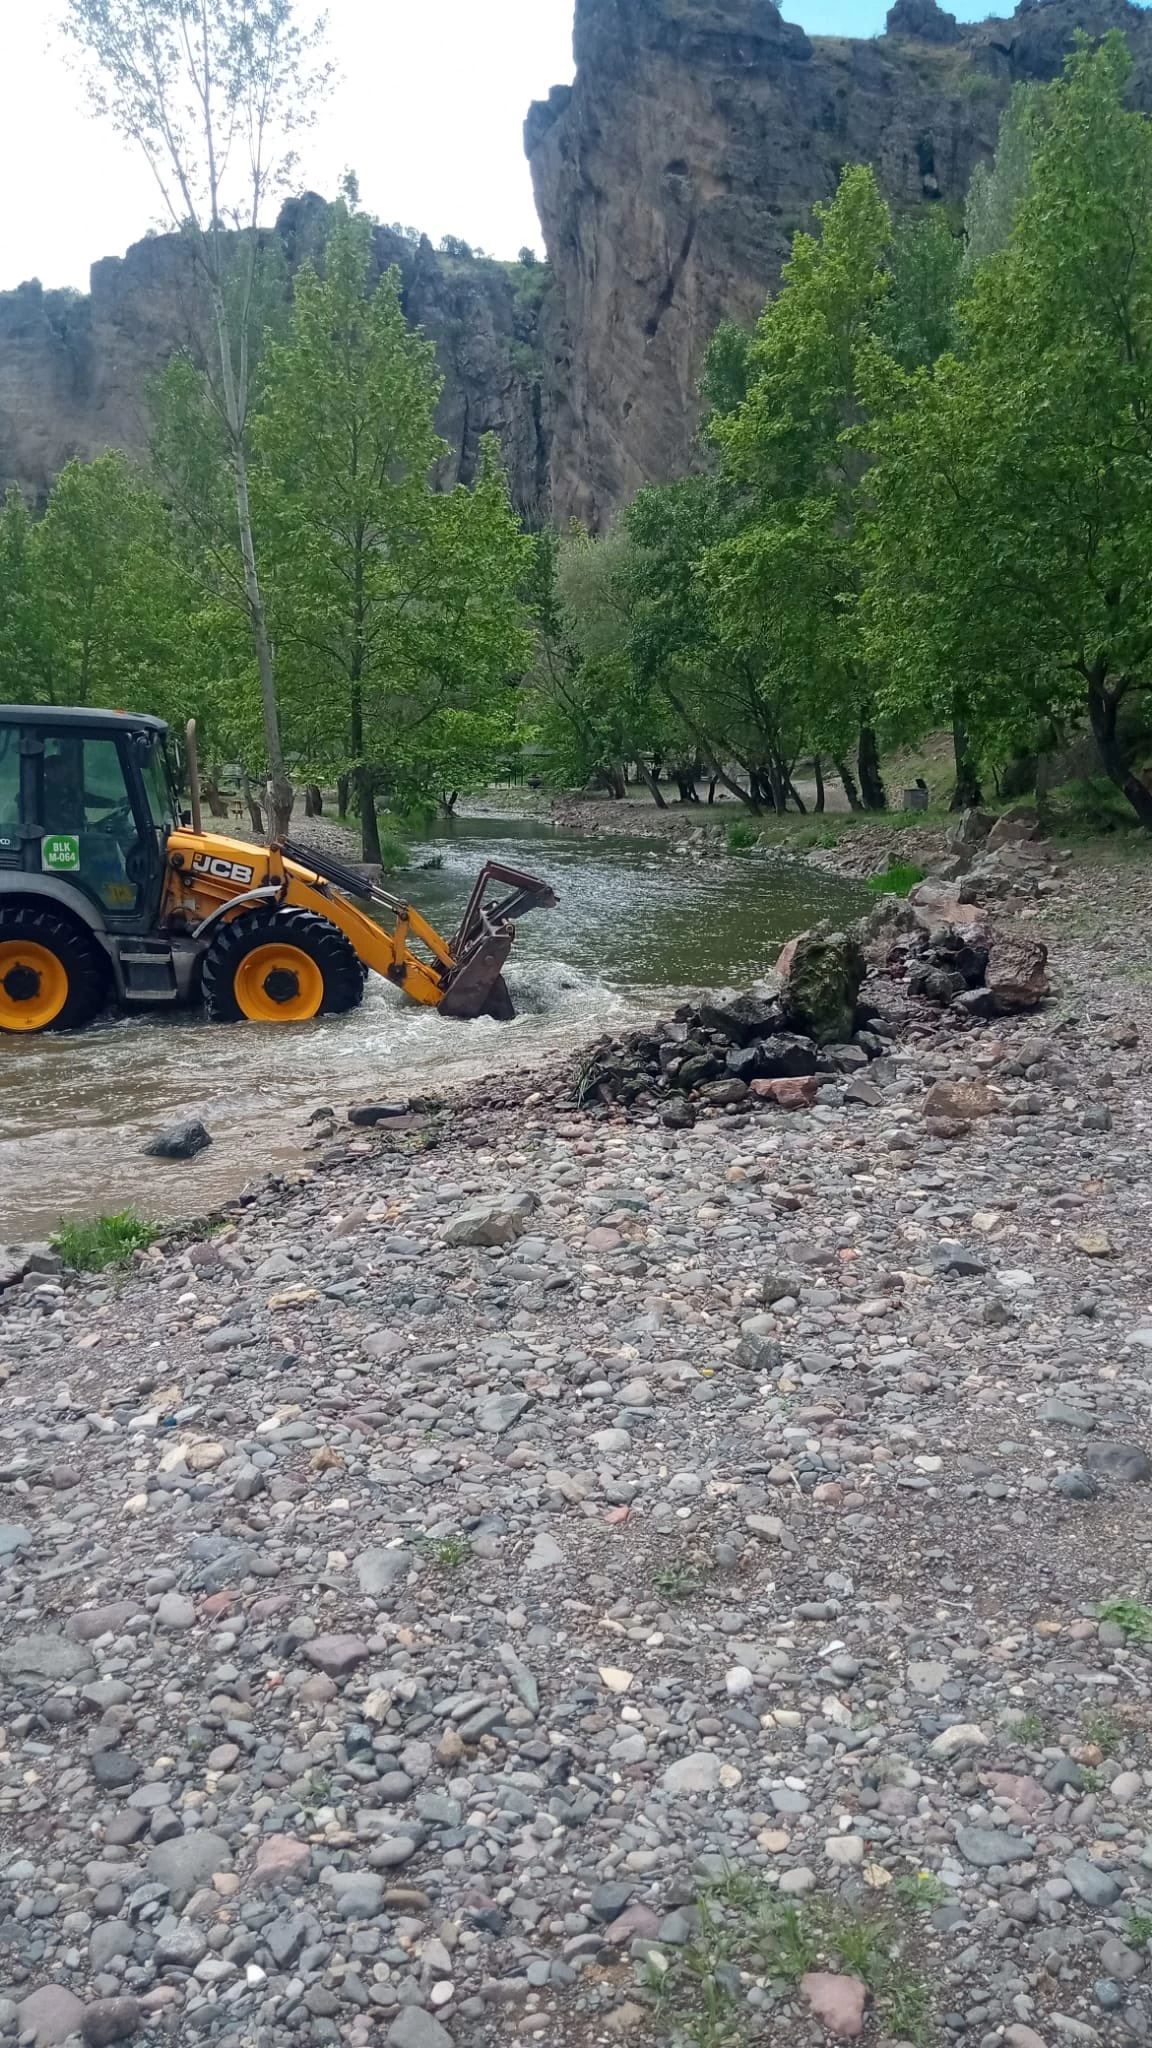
550	1575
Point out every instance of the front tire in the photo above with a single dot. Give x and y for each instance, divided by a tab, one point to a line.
52	978
280	967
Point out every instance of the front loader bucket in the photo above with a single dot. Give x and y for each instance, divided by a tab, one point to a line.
475	987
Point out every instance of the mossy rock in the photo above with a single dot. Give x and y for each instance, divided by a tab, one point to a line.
825	974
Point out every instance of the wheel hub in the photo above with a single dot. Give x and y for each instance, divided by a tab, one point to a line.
282	985
21	984
34	985
278	983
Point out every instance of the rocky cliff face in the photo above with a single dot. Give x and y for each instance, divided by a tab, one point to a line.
669	178
694	141
74	370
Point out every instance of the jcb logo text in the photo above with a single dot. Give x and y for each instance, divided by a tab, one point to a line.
221	870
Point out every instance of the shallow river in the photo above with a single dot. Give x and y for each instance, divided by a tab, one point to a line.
637	927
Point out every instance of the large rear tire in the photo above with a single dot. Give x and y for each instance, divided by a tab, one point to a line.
52	976
280	967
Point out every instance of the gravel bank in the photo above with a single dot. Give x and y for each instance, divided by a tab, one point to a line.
431	1617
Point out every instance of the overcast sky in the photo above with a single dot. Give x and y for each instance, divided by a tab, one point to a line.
428	108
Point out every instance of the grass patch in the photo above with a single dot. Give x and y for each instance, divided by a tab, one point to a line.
742	835
1030	1729
1091	807
446	1552
394	853
1131	1615
1104	1732
923	1891
1139	1930
679	1581
750	1936
898	878
104	1241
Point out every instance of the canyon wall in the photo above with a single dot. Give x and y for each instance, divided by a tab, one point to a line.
672	174
74	369
669	178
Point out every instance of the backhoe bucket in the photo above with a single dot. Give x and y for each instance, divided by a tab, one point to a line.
476	987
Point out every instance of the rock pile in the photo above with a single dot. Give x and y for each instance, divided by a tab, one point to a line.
948	953
808	1035
782	1044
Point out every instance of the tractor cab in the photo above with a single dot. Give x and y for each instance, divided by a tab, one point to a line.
86	807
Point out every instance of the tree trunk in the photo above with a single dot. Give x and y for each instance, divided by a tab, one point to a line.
649	775
967	795
704	742
279	785
777	788
850	789
712	781
342	796
1103	705
216	803
369	822
868	763
818	777
254	812
791	790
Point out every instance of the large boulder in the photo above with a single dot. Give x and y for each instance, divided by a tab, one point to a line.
493	1219
823	971
1014	828
179	1141
925	21
970	828
1016	975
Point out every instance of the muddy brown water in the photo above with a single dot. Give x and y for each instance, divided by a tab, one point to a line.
639	926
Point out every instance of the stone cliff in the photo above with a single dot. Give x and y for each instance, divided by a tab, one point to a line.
669	179
697	135
74	370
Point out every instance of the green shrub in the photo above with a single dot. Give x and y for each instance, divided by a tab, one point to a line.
392	850
1131	1615
104	1241
742	835
898	878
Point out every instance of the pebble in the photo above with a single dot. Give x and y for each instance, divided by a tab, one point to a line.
484	1593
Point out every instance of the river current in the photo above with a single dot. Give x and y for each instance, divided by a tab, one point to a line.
639	925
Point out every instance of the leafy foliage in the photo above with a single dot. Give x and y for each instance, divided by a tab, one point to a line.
1012	481
105	1241
395	605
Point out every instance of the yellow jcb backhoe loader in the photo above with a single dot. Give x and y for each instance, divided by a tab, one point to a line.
108	894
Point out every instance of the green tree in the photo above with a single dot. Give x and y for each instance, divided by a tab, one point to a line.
212	92
395	606
997	189
787	454
1013	483
24	662
96	606
916	320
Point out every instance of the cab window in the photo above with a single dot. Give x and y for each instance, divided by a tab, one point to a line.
9	786
89	825
157	788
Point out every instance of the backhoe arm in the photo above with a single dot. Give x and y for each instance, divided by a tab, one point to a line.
386	953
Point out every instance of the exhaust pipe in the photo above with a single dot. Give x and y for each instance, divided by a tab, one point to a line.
192	763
